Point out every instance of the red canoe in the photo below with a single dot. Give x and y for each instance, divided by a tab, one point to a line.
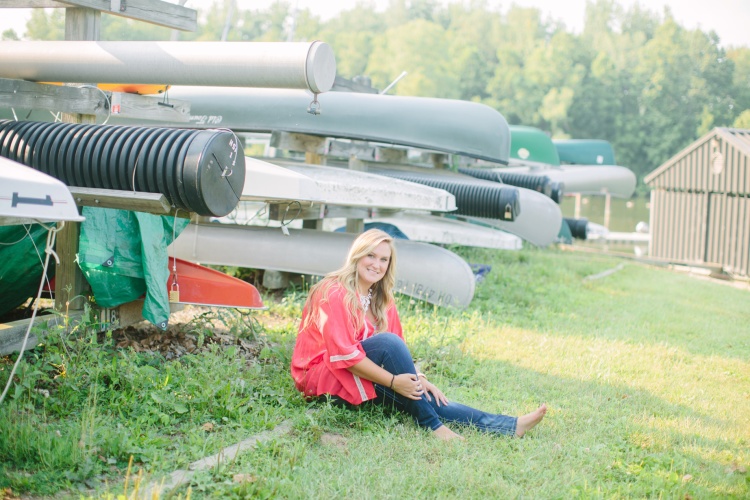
208	287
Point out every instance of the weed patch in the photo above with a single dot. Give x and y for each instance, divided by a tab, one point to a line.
646	374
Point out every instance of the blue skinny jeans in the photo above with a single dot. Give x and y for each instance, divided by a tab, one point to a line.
390	352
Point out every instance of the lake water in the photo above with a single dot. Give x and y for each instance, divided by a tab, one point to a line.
624	214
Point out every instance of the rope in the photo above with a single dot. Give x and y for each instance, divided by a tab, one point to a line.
49	250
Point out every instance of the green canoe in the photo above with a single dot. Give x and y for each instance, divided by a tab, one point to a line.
585	152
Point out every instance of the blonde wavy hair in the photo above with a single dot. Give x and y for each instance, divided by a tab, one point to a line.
348	277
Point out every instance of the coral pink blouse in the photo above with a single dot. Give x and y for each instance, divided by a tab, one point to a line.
325	350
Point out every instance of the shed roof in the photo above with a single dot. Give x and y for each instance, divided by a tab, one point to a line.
737	139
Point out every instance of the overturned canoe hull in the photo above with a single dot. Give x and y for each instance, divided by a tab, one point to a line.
28	195
435	229
447	125
538	221
353	188
235	64
586	179
532	144
426	272
272	183
198	285
585	151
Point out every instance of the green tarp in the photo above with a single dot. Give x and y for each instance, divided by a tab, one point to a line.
123	255
21	262
565	236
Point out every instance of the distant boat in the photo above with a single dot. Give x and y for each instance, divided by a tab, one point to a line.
532	144
585	151
585	166
584	179
425	271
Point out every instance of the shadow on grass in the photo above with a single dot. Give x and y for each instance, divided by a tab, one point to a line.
613	433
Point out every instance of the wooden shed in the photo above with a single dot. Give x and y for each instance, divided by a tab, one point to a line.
700	203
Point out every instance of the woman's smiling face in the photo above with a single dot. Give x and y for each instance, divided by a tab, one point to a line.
372	267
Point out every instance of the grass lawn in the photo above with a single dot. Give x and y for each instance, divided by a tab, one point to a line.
646	373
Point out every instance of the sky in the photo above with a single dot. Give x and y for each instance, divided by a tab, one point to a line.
729	18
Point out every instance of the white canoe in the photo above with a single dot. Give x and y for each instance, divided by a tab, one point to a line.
271	183
353	188
585	179
538	223
425	271
299	65
28	195
435	229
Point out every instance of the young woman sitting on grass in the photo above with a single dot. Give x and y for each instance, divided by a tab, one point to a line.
344	352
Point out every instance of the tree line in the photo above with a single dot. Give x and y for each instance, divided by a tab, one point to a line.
634	77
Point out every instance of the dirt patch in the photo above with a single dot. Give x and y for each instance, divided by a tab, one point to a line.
193	330
330	439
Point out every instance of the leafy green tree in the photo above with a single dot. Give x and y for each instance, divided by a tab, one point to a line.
682	95
740	57
633	76
512	90
351	35
474	37
120	28
419	47
10	35
558	68
46	24
743	120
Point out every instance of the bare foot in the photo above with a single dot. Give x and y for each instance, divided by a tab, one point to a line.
446	434
528	421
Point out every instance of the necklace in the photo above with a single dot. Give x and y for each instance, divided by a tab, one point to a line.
365	300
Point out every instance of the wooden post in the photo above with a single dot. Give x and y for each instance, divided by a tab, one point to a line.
577	211
80	24
355	226
607	204
438	161
316	224
357	164
312	158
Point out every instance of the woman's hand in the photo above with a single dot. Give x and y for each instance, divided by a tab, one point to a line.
429	387
408	385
